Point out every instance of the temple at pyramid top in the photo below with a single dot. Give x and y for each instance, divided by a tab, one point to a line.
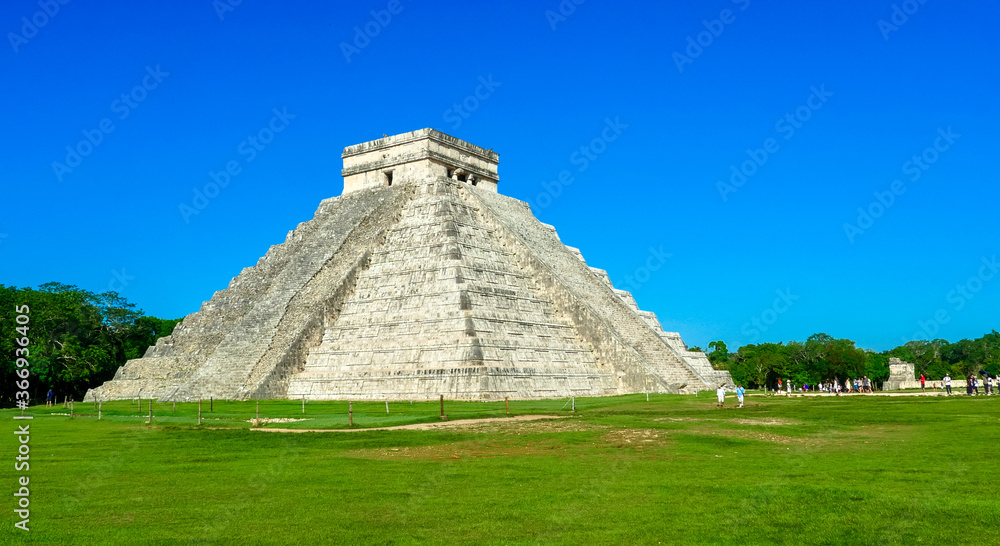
416	155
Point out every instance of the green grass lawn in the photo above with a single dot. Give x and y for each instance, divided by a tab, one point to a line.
869	470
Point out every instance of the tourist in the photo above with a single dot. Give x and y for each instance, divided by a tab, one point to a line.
923	381
48	398
947	383
740	392
779	385
721	394
975	386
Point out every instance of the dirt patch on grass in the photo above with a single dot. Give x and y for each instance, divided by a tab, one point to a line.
635	437
763	437
464	423
774	421
519	441
266	420
503	426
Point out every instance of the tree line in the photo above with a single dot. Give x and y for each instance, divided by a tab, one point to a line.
76	339
79	339
822	358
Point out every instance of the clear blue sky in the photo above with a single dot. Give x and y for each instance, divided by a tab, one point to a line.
206	84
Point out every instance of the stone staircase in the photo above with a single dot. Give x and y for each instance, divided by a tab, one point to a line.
442	310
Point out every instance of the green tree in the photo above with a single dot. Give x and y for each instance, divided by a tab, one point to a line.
719	357
78	339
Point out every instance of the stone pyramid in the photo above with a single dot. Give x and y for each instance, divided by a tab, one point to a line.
419	280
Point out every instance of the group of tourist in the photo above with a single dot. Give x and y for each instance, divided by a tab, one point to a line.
865	384
857	385
721	394
989	383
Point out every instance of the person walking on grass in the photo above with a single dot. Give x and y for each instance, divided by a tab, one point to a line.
947	383
740	392
720	393
923	383
48	398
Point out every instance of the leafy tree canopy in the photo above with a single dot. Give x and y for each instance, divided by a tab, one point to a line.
78	339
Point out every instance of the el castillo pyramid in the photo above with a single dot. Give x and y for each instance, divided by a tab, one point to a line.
419	280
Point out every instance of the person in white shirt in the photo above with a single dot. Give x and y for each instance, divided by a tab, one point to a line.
947	383
721	394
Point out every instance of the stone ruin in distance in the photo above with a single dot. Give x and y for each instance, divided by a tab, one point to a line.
419	280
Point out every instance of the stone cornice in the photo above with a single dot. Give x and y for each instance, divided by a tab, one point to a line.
421	134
